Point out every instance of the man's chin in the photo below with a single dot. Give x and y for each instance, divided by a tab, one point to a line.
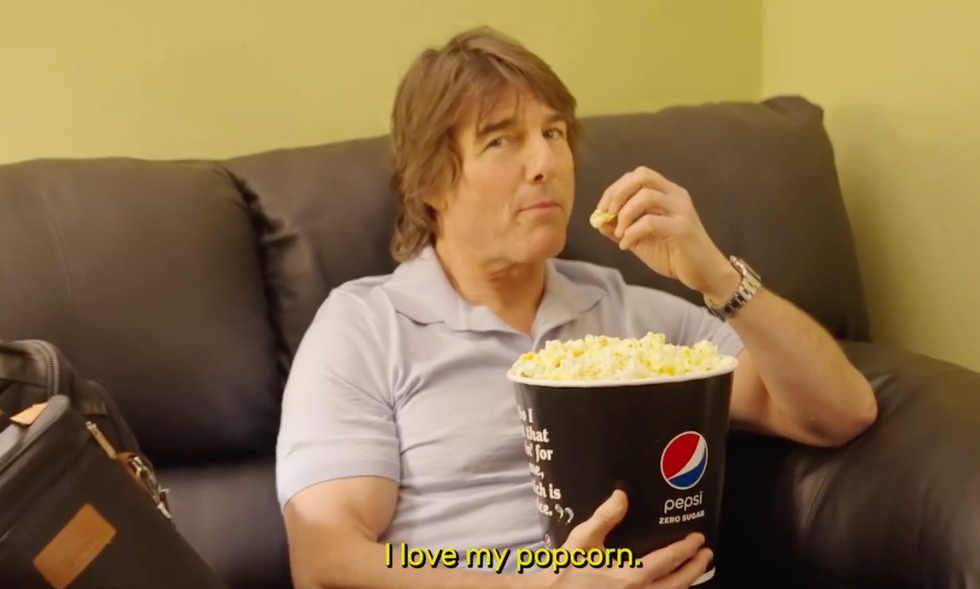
543	246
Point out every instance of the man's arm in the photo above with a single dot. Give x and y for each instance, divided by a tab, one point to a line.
338	460
793	380
333	530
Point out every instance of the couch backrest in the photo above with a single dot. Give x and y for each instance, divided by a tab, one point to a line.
180	284
762	177
147	275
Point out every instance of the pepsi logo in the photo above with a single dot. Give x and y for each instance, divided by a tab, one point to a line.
684	460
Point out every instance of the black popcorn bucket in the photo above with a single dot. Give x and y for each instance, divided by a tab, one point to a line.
660	440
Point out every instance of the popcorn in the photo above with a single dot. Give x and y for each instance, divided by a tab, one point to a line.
600	218
613	359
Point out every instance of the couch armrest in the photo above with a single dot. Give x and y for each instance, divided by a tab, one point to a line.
897	507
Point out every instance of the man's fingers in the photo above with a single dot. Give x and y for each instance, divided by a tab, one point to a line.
605	201
660	563
649	225
620	191
593	531
688	573
643	202
609	230
655	180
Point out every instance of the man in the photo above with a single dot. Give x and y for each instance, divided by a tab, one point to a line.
398	422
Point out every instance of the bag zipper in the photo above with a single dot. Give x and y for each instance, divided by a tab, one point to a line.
101	439
49	354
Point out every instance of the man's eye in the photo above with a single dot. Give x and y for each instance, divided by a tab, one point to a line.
498	142
554	133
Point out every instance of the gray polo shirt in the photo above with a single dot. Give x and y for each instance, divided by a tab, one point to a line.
398	377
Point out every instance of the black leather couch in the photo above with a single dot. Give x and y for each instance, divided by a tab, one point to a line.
185	287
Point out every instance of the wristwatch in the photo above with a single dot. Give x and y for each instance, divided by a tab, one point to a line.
746	289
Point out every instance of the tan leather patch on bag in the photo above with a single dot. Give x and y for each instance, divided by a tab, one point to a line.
75	547
27	416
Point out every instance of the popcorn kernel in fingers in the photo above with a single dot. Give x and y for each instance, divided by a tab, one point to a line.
600	218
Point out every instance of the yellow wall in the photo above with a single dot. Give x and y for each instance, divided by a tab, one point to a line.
214	79
898	80
901	85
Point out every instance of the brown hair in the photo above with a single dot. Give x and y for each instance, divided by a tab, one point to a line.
472	71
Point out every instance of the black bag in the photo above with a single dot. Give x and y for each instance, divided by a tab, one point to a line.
80	506
33	371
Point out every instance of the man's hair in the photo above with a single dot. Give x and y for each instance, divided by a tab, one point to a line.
474	70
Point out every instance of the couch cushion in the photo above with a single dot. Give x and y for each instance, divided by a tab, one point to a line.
329	212
762	176
146	274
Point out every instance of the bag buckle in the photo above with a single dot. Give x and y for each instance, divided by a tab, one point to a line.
144	474
137	468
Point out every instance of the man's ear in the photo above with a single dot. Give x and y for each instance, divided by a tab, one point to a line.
438	202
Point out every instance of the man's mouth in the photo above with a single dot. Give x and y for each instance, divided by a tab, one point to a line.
545	204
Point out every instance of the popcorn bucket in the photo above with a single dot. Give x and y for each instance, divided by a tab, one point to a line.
661	439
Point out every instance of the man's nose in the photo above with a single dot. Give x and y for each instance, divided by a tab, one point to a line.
541	160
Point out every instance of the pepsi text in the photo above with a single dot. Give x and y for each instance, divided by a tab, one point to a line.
684	505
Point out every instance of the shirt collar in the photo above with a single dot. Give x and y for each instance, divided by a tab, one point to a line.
420	290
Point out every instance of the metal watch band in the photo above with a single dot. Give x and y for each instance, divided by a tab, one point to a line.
751	282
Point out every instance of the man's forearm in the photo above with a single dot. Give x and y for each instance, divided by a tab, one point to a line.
362	564
807	376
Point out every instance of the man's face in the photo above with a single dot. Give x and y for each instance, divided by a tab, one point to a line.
514	197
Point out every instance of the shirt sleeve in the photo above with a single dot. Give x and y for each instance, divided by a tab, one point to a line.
681	322
337	415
